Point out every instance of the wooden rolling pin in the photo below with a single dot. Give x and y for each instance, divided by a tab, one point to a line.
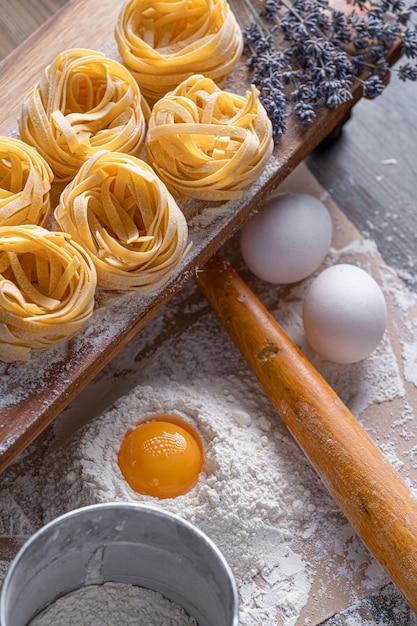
369	491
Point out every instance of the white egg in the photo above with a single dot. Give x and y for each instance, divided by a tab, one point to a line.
288	239
344	314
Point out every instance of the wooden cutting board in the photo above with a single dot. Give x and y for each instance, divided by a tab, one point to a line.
32	395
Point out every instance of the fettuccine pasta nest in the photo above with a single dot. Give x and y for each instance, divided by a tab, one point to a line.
25	183
123	215
84	103
207	143
162	43
47	287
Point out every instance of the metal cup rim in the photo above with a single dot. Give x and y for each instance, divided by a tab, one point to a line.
146	508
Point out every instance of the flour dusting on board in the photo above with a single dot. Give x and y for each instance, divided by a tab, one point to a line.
116	311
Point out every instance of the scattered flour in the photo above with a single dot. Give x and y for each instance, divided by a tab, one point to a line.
258	495
258	498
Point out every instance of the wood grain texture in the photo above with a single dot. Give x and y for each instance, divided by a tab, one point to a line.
19	19
371	173
363	482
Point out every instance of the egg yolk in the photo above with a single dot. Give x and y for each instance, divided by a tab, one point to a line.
161	458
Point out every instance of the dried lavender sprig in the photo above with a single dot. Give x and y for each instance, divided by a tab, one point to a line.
302	85
371	32
313	64
267	64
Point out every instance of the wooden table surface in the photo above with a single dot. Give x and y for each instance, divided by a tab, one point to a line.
371	173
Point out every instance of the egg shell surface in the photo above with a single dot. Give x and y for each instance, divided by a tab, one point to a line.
288	239
344	314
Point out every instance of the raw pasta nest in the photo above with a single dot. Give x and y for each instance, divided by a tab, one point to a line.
207	143
47	286
84	103
162	43
25	183
123	215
